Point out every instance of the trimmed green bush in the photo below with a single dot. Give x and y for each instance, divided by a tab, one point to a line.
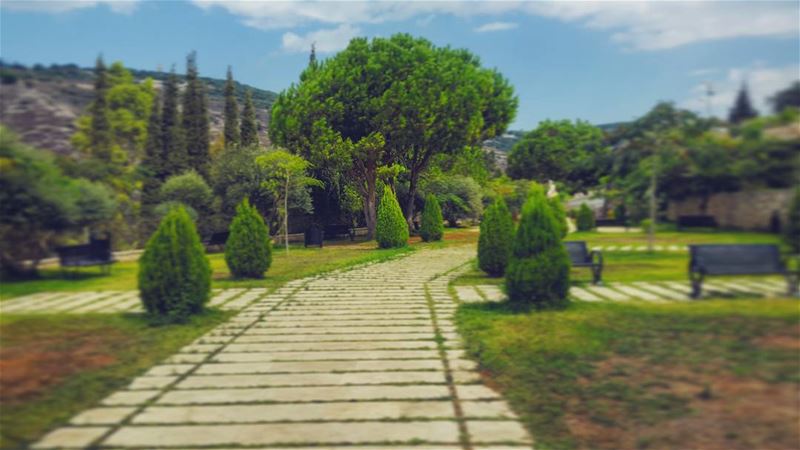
538	270
494	243
560	214
585	218
248	250
432	228
391	229
174	273
792	230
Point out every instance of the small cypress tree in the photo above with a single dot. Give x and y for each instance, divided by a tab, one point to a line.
195	119
391	229
231	132
538	270
792	230
560	215
174	273
494	243
432	228
585	219
248	251
249	133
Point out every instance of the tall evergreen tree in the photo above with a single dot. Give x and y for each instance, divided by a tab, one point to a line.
195	119
249	121
175	159
312	58
100	137
153	161
742	108
232	136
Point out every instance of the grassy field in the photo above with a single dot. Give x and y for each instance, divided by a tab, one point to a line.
54	366
711	375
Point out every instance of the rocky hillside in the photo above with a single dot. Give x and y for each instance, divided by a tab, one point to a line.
41	104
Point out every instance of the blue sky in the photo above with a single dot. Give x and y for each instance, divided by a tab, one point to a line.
597	61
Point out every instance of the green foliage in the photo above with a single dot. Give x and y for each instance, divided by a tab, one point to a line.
538	270
497	235
792	228
236	176
742	108
174	273
460	197
231	127
572	153
194	118
585	221
248	251
513	192
175	159
38	202
188	188
100	139
249	127
432	227
787	98
560	214
392	229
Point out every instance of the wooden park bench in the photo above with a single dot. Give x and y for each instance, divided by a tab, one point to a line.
736	259
217	240
336	230
696	222
580	256
96	253
610	223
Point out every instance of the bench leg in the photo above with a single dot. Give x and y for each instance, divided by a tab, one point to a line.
792	281
597	275
697	285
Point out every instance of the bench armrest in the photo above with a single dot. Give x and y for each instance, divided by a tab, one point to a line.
596	257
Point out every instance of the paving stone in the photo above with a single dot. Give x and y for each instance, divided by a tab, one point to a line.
169	369
492	293
156	382
325	356
318	366
638	293
608	293
333	337
103	416
662	291
297	412
497	431
123	398
475	392
284	433
71	437
487	409
424	328
468	294
304	394
583	294
316	346
320	379
183	358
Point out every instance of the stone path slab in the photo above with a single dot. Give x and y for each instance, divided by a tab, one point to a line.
345	360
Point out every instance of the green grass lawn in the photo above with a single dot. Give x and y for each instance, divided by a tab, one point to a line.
54	366
714	374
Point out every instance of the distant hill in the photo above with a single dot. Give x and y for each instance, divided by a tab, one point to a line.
41	104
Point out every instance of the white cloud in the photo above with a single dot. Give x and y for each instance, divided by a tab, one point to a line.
325	41
655	25
703	72
762	83
62	6
496	26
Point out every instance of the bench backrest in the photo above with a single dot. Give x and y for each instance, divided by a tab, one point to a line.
578	251
218	238
697	221
332	230
95	250
736	259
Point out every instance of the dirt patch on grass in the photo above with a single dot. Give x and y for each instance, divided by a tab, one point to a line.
34	363
630	403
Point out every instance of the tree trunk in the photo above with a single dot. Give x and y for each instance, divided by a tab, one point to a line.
286	215
412	193
370	214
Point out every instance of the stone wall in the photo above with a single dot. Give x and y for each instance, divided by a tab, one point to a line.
745	210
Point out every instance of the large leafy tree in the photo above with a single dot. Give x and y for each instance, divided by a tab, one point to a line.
561	151
195	119
786	98
390	100
231	127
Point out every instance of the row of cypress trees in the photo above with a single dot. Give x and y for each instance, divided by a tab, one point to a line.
532	257
238	131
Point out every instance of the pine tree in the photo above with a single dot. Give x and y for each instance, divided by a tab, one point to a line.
195	119
742	108
101	140
494	243
175	159
249	122
232	136
153	161
538	270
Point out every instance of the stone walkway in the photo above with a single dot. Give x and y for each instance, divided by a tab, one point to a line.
366	357
114	301
653	292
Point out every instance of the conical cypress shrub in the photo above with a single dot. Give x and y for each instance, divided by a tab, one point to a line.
538	270
174	273
560	214
248	251
584	221
391	229
494	243
432	228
